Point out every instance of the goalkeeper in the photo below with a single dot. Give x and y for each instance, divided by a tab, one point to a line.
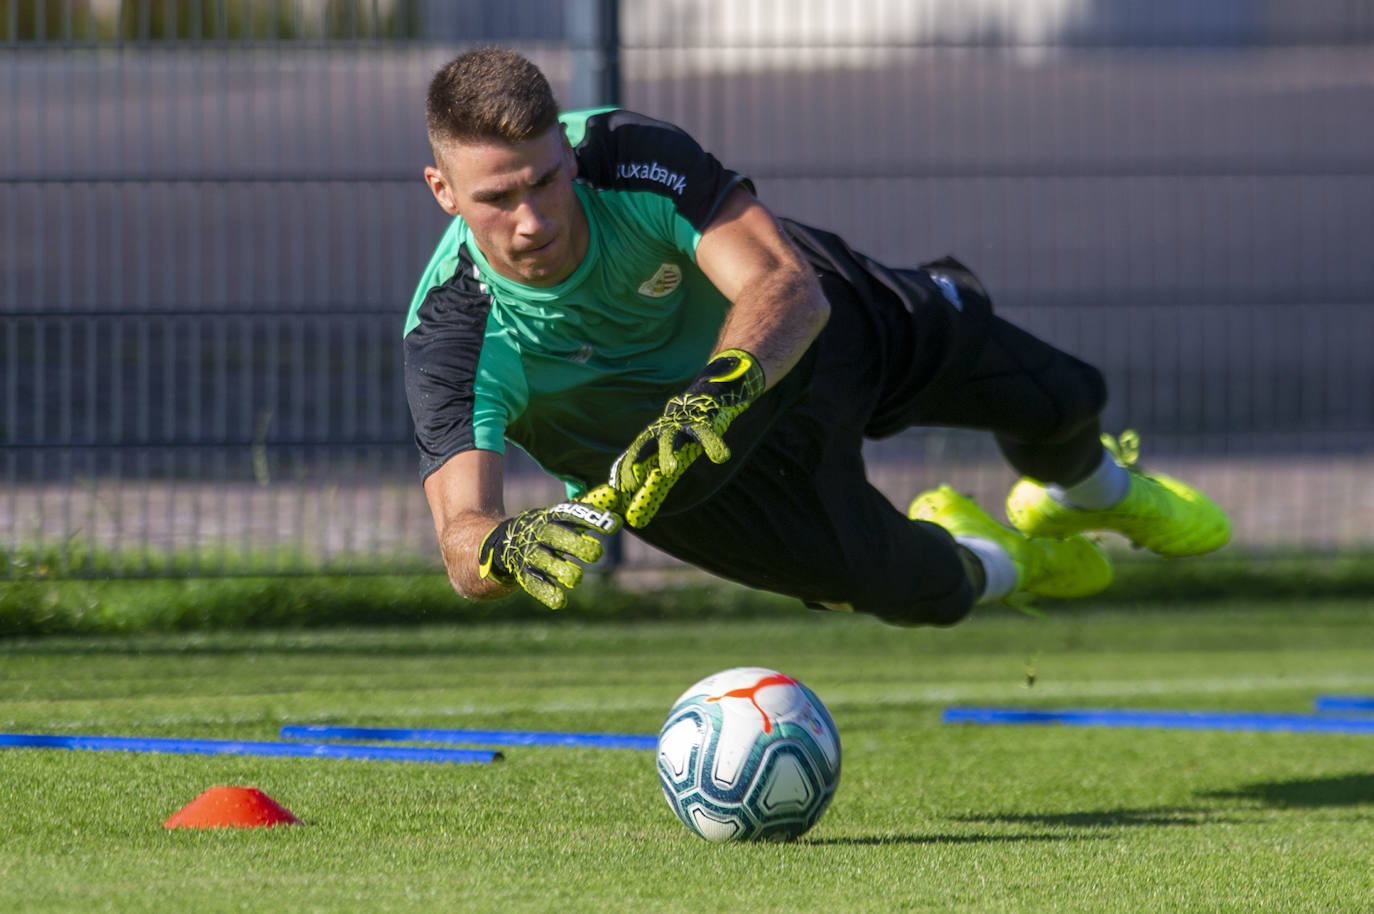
613	300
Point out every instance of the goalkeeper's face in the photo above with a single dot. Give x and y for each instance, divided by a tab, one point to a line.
519	203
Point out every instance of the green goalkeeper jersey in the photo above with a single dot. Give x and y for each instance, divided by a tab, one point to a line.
573	372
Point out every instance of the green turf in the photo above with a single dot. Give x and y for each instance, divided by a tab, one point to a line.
49	592
928	817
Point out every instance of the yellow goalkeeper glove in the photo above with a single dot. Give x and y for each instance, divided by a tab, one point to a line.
692	423
536	549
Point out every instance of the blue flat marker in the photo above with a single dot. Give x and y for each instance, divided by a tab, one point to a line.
238	747
1166	720
474	737
1343	703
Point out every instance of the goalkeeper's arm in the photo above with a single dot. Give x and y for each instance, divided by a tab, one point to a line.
466	497
776	305
542	550
776	310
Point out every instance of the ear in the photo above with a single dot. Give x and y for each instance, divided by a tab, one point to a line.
442	190
568	150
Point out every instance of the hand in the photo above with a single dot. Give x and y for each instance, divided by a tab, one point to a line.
535	548
692	423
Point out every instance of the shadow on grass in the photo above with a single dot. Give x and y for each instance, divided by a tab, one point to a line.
882	840
1106	818
1307	793
140	646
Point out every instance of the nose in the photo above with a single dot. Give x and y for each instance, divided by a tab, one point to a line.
530	222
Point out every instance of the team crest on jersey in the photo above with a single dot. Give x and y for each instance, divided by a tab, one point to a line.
663	282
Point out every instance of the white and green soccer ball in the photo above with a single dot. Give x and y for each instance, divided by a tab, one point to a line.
749	754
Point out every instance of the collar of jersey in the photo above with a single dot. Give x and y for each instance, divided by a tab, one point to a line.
521	292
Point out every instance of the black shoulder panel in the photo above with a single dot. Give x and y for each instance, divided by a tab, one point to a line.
621	150
441	355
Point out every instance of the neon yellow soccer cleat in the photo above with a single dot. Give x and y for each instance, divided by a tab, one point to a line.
1072	567
1159	513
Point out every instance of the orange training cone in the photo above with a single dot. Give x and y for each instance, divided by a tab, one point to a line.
231	807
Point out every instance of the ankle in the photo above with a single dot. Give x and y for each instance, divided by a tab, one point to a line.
990	568
1104	488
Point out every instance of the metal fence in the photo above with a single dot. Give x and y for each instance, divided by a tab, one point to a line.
212	217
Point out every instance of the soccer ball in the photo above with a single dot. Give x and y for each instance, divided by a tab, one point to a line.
749	755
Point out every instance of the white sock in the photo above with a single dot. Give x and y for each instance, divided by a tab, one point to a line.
998	568
1105	487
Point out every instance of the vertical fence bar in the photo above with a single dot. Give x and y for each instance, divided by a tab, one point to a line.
594	39
64	443
8	436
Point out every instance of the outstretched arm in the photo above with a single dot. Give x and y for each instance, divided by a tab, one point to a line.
466	498
543	550
777	308
776	311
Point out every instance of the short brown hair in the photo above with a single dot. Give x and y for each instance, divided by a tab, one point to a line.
489	94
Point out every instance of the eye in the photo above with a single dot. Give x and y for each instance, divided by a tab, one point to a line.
548	177
492	199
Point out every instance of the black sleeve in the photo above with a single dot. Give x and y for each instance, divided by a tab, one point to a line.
441	355
621	150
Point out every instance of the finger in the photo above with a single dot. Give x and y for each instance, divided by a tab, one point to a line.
581	546
646	502
644	448
631	473
605	498
620	471
647	452
717	451
677	460
557	568
550	595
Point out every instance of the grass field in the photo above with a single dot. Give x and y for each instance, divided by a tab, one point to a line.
928	817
